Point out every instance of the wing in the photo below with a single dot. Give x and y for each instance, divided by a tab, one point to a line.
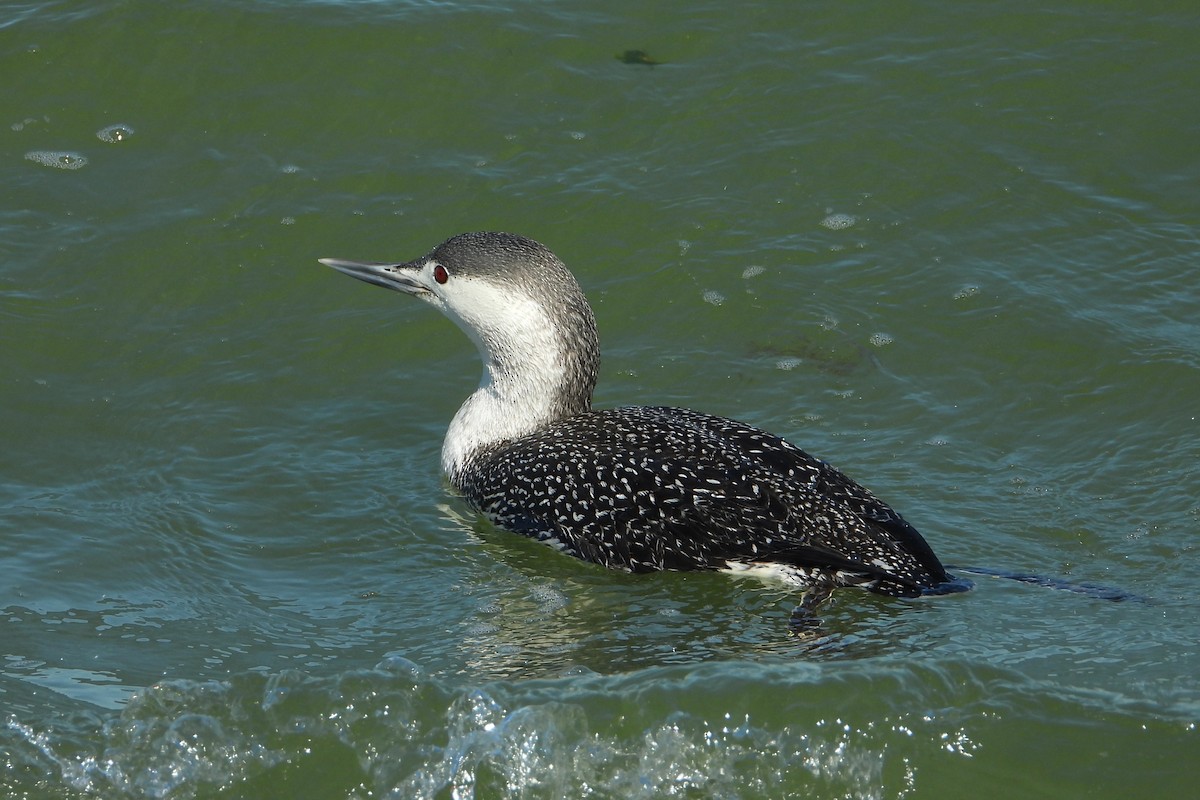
876	535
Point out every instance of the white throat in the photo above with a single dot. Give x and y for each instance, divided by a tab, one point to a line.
522	370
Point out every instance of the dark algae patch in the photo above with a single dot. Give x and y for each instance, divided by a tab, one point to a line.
637	57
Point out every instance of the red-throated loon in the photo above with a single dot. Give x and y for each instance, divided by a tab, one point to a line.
635	488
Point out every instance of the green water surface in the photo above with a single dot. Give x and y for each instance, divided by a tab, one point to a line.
950	247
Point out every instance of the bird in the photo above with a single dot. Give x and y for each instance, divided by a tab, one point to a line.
634	488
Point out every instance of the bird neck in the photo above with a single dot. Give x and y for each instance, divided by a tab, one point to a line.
534	373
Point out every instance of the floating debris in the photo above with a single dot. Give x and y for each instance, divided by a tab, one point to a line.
637	57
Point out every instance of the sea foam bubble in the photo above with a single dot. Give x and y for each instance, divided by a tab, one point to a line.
114	133
59	159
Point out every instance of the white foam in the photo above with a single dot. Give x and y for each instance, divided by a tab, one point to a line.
115	133
789	362
837	222
59	159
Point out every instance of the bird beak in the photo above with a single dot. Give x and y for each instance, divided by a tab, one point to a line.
399	277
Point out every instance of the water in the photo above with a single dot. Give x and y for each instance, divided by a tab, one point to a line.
949	247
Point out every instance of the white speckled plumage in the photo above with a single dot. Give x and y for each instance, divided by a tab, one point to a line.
635	488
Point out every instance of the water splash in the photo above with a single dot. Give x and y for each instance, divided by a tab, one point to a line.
395	732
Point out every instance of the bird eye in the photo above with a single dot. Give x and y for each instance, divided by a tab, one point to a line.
440	274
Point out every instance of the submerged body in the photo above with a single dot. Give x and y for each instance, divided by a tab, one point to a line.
634	488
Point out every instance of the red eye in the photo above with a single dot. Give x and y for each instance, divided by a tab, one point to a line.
440	274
